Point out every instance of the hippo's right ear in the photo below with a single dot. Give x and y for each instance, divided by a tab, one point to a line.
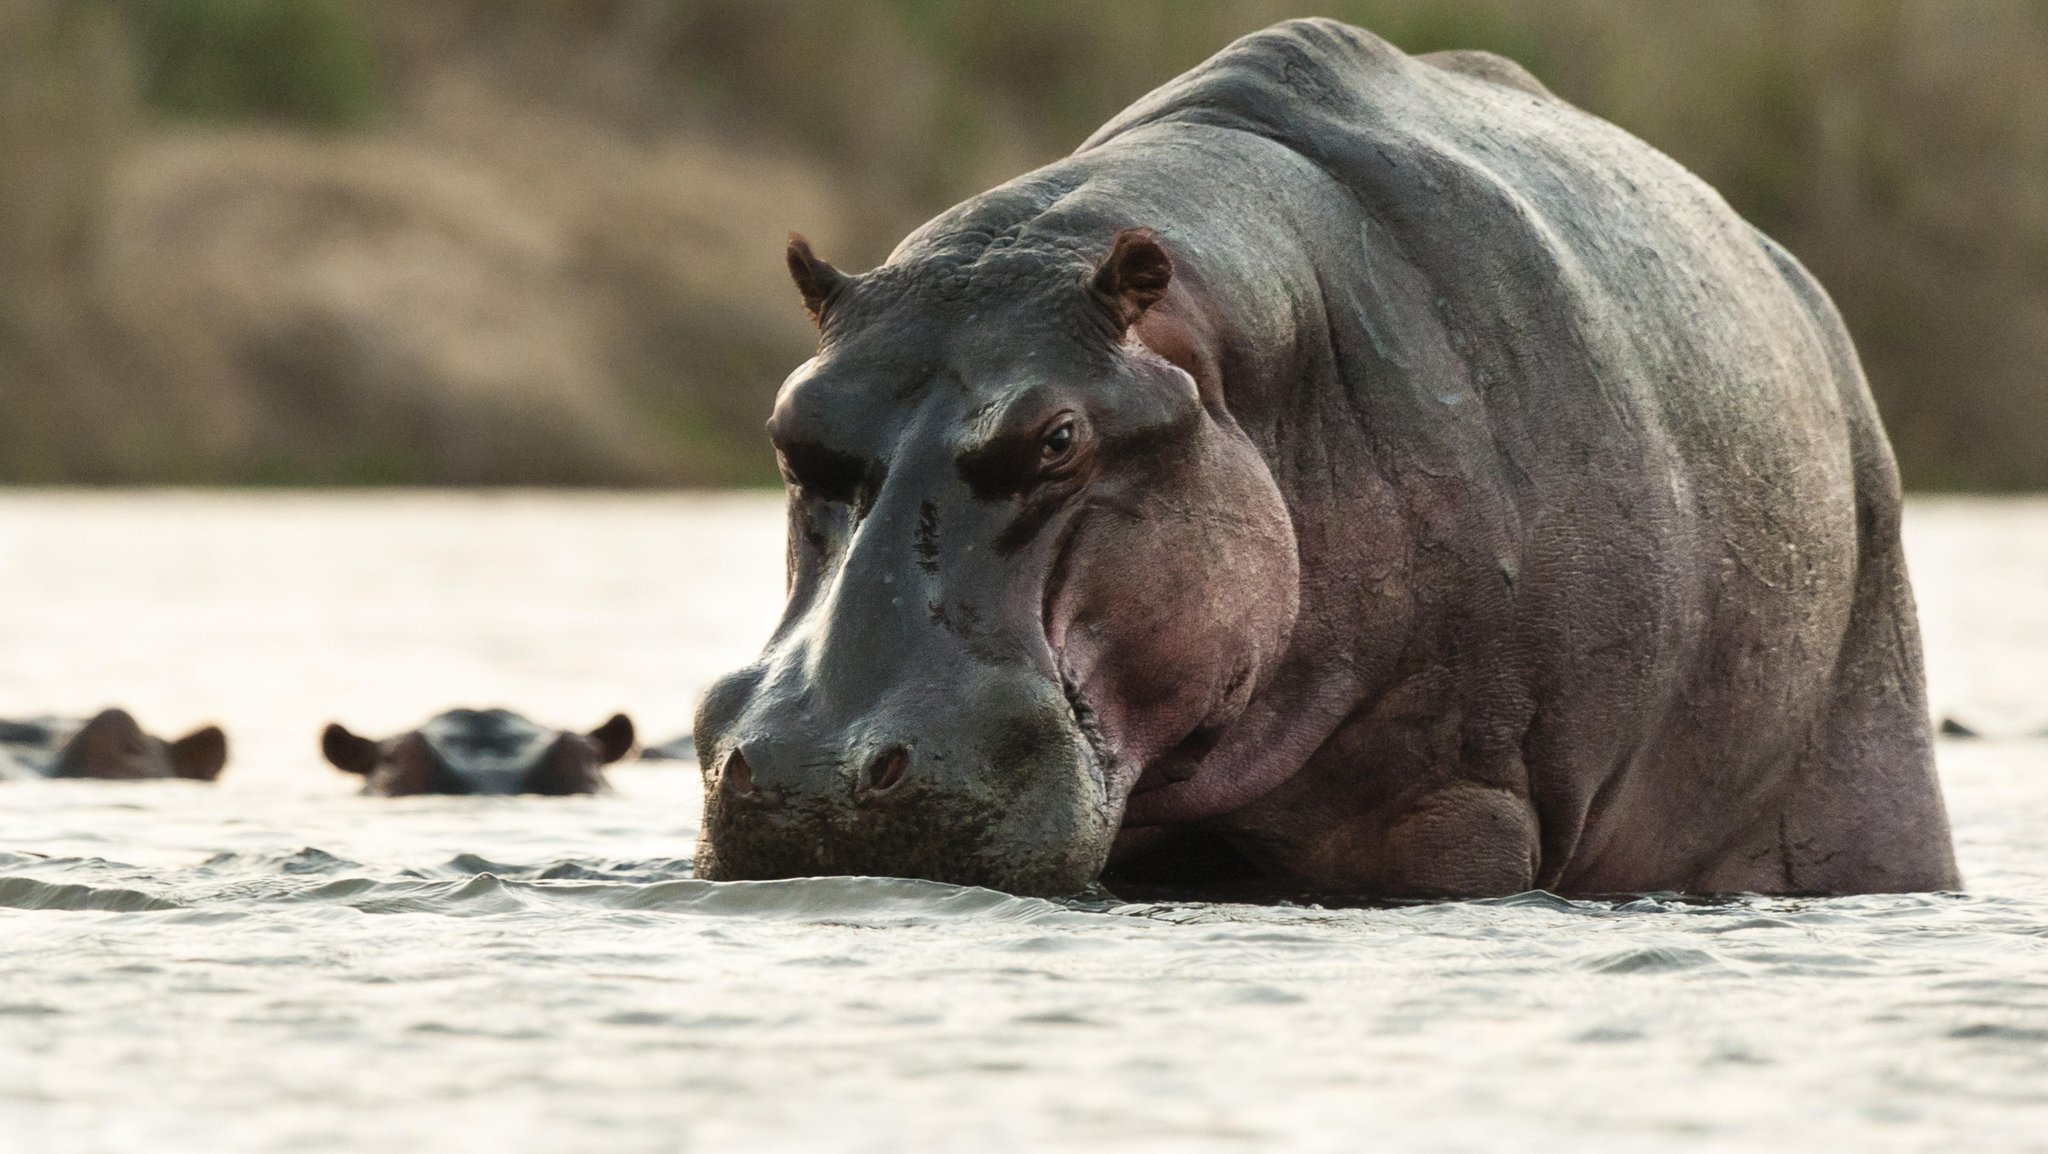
200	755
815	278
346	751
614	739
1133	277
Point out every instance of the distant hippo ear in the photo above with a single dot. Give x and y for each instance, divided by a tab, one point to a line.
816	279
614	739
346	751
1134	276
200	755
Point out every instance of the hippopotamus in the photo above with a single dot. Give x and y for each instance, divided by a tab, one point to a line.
1364	472
481	751
108	745
679	748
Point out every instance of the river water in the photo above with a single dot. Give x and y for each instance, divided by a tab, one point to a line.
275	964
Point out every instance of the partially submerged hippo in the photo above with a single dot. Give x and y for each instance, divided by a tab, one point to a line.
1358	470
483	751
109	745
683	748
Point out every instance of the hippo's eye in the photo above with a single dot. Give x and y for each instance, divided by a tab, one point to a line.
1058	442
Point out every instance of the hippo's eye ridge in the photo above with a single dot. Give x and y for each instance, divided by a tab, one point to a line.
826	473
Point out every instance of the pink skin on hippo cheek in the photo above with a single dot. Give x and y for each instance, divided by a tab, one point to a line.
1175	601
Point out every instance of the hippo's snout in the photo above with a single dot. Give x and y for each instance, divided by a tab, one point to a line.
993	787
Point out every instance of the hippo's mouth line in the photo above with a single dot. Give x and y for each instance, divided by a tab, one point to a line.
1089	725
1086	722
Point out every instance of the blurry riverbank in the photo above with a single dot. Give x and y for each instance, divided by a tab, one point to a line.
471	242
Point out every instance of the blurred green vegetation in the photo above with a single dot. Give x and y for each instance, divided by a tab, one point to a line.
501	241
306	61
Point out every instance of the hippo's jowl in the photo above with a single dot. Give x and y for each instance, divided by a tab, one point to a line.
110	746
484	751
1363	470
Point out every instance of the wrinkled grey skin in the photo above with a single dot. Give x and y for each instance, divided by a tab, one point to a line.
481	751
109	746
1456	497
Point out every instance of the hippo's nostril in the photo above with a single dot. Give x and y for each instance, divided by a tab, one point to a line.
887	768
738	776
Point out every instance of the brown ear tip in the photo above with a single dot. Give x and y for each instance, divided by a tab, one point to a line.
1138	241
815	278
615	737
1141	250
1135	275
347	752
201	754
335	741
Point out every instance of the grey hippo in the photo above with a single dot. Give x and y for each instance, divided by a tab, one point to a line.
1362	471
109	745
681	748
481	751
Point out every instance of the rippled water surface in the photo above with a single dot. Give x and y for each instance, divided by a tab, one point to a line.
274	964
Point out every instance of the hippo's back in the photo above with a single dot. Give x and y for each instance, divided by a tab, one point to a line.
1594	288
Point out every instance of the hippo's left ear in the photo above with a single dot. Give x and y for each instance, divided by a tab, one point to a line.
614	739
348	752
1133	277
815	278
199	755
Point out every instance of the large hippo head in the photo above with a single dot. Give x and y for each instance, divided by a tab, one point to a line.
1031	558
110	746
481	751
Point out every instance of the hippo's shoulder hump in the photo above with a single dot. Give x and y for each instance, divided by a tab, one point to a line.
1317	83
1260	82
1482	65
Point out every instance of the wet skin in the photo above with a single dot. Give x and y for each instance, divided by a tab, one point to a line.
1351	470
109	746
481	751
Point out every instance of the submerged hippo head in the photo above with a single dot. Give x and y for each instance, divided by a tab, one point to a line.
110	746
484	751
1031	558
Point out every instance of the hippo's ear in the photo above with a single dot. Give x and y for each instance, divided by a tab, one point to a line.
1133	277
346	751
815	278
200	755
614	739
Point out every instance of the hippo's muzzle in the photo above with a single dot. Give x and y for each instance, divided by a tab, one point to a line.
984	778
